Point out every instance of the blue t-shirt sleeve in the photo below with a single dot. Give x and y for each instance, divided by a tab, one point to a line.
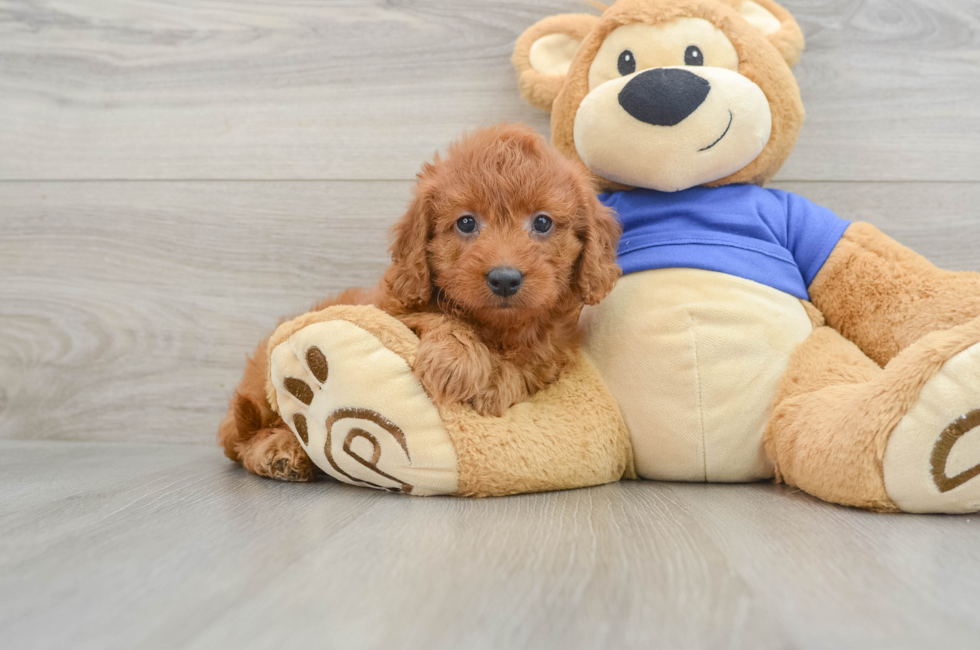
812	232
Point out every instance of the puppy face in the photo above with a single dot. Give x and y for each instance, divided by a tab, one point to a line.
504	227
495	245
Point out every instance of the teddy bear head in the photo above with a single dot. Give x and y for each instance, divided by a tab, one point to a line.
668	94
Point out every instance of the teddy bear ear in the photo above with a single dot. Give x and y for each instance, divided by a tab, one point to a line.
544	53
777	24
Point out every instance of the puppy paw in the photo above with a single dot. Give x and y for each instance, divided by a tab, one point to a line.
506	389
276	454
453	367
490	403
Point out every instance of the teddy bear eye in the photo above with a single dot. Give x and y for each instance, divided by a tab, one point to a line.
693	56
466	224
627	63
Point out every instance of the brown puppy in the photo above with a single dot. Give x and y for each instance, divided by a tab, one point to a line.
501	246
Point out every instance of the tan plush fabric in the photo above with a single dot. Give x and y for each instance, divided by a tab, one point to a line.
762	62
694	358
569	435
788	40
932	460
873	303
759	17
822	437
836	409
399	340
884	296
729	129
552	54
816	318
376	428
663	45
540	88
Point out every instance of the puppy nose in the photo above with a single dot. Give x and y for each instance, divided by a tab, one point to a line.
663	96
505	280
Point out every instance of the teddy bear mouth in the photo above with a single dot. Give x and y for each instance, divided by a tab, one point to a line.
731	118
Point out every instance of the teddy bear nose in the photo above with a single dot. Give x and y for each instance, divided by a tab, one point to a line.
663	96
505	281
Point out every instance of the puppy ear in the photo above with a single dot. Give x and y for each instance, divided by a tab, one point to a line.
408	278
544	53
776	24
597	268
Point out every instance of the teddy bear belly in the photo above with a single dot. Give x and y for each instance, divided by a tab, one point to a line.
694	359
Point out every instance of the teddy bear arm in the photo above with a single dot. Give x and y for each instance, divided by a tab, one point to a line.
569	435
884	296
343	380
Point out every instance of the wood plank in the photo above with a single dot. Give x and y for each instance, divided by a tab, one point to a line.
842	577
121	301
155	546
886	85
206	89
126	309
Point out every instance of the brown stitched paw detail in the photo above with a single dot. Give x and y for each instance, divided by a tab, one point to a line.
358	413
356	432
932	459
317	363
944	447
299	389
299	423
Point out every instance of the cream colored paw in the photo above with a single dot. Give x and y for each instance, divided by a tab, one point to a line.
360	413
932	461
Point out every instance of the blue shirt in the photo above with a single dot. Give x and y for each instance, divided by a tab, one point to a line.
768	236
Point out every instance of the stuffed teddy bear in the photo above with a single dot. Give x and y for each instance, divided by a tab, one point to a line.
754	335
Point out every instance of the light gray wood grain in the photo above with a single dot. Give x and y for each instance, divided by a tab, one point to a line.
126	309
365	90
174	547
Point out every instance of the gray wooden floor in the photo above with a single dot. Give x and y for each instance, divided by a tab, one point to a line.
166	546
174	176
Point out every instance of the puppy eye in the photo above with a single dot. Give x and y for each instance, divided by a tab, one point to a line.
542	224
693	56
466	224
627	63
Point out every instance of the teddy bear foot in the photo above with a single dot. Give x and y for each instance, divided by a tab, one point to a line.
932	461
359	412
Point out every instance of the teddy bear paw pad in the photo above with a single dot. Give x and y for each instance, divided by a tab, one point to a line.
932	461
360	413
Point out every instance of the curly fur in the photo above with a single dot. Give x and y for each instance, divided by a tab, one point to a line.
476	347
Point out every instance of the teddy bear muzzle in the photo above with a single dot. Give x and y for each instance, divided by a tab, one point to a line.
672	128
